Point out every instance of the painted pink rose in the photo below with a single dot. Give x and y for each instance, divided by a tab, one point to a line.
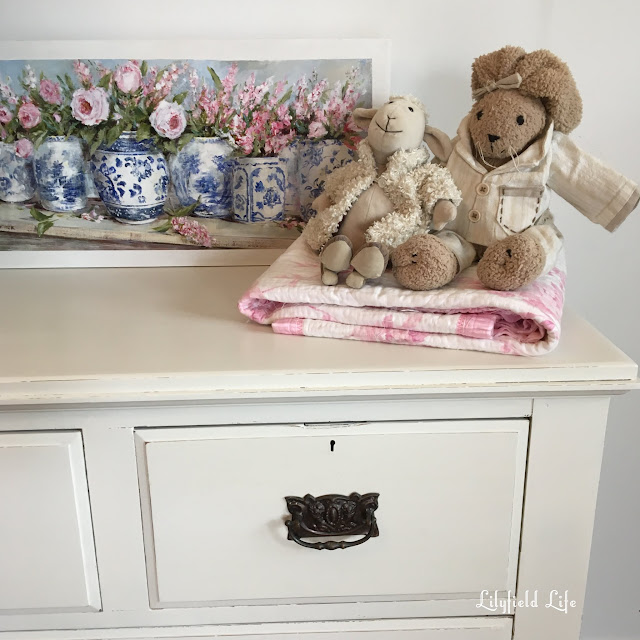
90	106
29	115
24	148
57	117
169	119
50	91
5	115
128	77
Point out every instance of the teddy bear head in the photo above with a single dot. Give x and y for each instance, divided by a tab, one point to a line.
516	95
399	125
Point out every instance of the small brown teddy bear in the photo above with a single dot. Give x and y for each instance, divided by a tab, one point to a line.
512	150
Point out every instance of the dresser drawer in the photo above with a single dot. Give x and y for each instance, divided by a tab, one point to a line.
214	511
47	556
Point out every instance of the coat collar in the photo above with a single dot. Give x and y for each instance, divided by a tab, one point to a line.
531	157
401	162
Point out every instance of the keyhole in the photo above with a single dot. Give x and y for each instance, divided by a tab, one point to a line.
333	444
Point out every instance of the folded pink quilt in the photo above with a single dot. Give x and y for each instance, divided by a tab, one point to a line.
463	315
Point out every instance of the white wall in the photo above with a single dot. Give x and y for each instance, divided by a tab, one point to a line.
433	45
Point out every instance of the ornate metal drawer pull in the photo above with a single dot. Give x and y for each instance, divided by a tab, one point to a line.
332	515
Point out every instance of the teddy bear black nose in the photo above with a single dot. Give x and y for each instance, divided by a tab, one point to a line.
492	138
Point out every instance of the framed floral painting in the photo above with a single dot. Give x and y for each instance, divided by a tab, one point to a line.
173	153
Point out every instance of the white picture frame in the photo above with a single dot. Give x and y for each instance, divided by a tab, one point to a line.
376	50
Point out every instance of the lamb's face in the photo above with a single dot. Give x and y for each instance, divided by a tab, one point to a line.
503	123
398	124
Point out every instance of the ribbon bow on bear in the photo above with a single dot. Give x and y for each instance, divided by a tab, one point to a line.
510	82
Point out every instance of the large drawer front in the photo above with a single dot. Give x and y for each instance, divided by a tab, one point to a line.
214	511
47	556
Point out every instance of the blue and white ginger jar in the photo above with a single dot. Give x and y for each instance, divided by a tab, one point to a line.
59	171
17	182
258	189
291	189
132	179
202	169
316	160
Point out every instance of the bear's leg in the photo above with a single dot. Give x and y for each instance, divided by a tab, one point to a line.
369	263
335	257
442	256
330	278
521	258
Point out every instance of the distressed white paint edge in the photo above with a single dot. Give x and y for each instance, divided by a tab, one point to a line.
276	411
244	615
104	258
115	509
85	521
608	378
498	624
565	454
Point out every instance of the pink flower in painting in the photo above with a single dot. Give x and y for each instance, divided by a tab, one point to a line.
317	130
57	117
92	216
5	115
29	115
169	119
193	231
228	82
50	91
83	73
90	106
246	143
24	148
128	77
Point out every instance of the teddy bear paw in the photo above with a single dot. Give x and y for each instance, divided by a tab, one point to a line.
511	263
423	263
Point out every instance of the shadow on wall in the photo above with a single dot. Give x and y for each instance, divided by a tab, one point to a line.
447	98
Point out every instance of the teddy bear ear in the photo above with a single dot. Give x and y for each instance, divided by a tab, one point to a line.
547	77
362	117
439	143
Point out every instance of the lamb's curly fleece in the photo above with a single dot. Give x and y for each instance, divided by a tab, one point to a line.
412	185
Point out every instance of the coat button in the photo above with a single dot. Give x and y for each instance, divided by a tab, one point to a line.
474	215
482	189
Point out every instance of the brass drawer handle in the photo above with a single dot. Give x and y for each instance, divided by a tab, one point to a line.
332	515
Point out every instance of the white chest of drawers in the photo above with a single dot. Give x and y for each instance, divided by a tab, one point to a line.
149	436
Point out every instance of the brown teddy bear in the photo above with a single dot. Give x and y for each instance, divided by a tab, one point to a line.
511	151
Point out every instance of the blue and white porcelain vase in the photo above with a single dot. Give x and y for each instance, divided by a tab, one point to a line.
316	160
258	189
59	171
202	169
17	183
291	189
132	179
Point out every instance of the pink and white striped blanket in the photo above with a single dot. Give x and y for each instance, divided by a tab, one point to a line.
463	315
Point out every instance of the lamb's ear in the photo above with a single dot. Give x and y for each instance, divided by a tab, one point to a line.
362	117
439	143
